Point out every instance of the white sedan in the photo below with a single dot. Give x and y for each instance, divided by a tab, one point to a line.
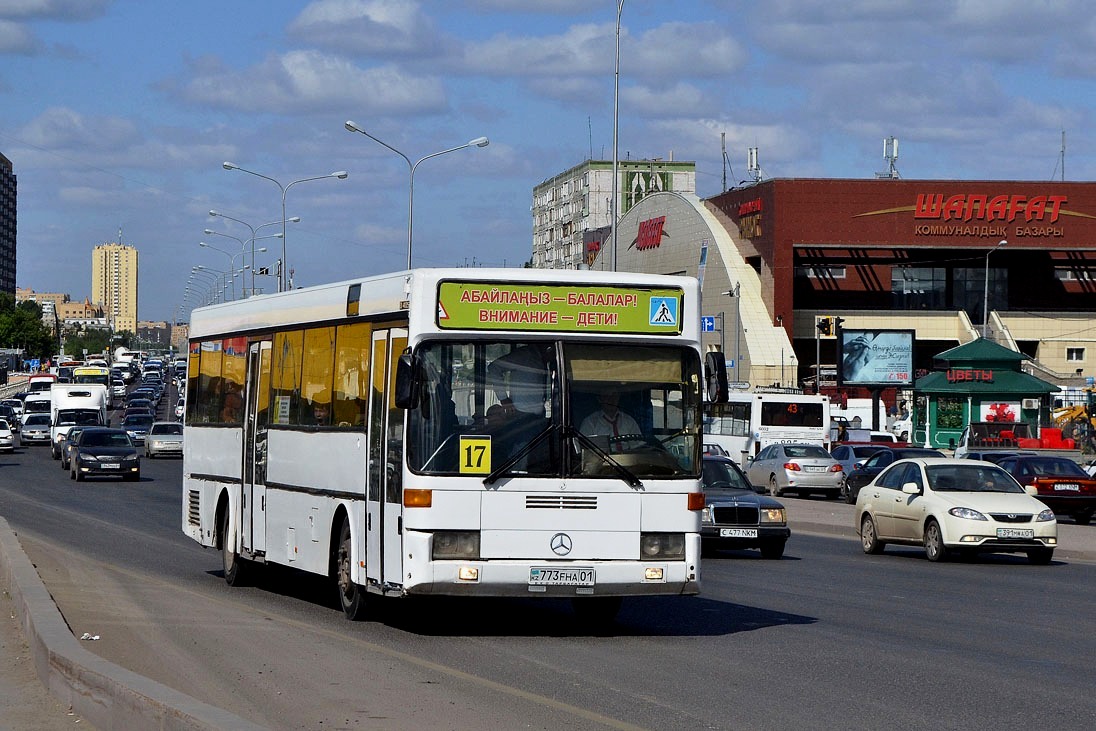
949	505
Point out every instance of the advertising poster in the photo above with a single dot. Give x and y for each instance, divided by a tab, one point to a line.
1007	411
875	357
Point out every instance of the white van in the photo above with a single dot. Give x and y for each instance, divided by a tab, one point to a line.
36	402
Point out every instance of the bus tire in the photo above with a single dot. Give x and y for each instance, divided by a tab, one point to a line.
235	568
351	595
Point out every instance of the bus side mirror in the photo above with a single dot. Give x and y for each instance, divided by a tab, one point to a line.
406	391
715	375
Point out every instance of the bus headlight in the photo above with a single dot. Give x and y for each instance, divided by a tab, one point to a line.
456	544
663	546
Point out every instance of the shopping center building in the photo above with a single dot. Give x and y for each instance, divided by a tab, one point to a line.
948	260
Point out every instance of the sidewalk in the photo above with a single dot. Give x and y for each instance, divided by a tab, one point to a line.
107	695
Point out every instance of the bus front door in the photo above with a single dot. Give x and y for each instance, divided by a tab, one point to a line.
256	422
384	505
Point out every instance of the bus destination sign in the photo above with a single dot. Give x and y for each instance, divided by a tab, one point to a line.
559	308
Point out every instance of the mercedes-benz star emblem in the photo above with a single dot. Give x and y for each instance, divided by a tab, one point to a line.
561	544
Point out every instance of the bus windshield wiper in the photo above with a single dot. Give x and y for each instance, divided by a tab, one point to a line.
523	452
625	474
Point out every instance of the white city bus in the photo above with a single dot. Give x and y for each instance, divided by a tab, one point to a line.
419	433
750	421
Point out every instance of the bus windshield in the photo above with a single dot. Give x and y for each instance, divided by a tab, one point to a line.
616	411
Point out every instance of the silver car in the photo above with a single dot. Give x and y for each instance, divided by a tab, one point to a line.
164	437
798	468
35	429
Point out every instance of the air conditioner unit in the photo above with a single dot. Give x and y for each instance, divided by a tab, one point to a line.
1030	403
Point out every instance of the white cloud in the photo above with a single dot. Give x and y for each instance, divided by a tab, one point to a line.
63	10
60	128
309	81
673	101
16	38
368	27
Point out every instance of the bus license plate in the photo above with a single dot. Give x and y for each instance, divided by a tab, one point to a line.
1015	533
561	577
738	532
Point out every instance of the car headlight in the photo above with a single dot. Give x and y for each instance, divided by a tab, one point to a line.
89	458
1045	516
967	514
131	458
774	515
706	514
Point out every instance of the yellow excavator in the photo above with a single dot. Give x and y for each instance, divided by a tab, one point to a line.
1078	422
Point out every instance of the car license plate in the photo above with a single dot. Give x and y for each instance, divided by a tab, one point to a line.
1067	486
110	466
1015	533
561	577
738	532
814	468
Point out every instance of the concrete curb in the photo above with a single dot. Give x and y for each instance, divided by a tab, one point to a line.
107	695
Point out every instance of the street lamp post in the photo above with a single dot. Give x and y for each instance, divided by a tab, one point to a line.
340	175
985	295
616	128
244	242
232	258
214	273
478	142
737	323
243	245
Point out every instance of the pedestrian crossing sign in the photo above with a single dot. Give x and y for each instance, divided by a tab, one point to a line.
664	311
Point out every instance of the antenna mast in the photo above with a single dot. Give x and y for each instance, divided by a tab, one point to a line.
1063	156
890	154
753	167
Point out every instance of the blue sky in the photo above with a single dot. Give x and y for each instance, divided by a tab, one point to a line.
117	114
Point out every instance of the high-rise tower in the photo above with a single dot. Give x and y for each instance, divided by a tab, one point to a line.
7	226
114	284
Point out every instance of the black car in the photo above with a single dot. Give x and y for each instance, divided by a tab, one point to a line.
68	445
876	463
737	517
137	427
8	414
103	451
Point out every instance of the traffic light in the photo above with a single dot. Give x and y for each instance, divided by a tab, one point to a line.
825	325
837	324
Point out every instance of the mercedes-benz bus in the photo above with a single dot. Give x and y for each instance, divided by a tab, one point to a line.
421	433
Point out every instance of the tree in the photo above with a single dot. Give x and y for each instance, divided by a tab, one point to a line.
21	326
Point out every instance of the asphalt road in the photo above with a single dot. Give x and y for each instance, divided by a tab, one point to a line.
825	638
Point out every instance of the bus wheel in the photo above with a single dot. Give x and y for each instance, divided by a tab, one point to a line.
351	595
235	568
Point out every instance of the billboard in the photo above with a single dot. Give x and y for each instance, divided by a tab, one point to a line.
875	357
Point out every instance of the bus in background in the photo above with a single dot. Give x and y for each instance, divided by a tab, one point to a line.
429	432
85	374
749	421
